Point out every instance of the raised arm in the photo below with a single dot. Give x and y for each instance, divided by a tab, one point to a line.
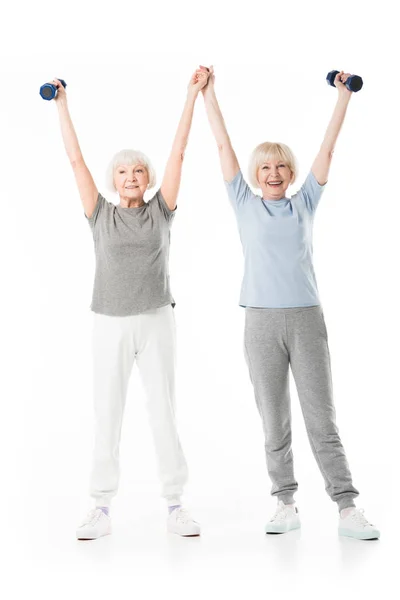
322	162
229	162
173	171
86	186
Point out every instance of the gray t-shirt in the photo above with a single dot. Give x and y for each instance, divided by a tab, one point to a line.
132	251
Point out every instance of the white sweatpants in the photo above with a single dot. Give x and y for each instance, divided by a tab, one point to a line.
150	338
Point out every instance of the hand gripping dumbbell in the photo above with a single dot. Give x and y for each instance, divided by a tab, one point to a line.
354	83
48	91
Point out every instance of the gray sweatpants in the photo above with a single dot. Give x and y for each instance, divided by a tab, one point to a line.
273	339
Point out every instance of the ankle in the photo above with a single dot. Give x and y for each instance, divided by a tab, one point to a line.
105	509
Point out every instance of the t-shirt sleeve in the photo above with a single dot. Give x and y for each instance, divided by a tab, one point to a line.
239	191
98	211
310	192
160	204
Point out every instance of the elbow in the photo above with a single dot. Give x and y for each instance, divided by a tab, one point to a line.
224	144
178	152
178	156
327	151
76	161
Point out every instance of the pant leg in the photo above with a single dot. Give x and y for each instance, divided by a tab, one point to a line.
268	362
156	360
310	364
113	357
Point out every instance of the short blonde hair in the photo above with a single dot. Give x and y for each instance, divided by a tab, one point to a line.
271	151
129	157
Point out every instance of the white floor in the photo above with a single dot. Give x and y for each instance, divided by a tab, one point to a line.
232	558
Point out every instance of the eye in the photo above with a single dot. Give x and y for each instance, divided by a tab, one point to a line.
265	167
282	165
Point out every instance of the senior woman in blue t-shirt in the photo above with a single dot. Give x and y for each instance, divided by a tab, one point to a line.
133	312
284	322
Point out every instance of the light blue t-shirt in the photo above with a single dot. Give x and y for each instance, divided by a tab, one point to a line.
276	237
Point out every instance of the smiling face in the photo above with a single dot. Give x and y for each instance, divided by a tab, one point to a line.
131	182
274	177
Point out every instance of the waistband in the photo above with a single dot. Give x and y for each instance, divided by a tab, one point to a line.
290	309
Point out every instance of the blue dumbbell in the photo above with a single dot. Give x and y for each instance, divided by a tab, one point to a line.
354	83
48	91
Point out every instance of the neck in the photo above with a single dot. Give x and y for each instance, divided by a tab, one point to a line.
266	197
125	202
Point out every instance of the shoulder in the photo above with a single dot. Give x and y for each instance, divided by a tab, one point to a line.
158	204
239	191
310	192
101	206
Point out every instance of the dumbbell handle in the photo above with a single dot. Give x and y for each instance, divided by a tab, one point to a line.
48	91
354	83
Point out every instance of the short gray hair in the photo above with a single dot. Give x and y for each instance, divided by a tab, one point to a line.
129	157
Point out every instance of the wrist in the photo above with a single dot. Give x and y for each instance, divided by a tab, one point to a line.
62	103
208	91
192	95
344	95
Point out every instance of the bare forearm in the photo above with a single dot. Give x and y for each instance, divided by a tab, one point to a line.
335	124
68	132
185	123
215	118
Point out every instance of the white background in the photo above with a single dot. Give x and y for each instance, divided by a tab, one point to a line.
127	66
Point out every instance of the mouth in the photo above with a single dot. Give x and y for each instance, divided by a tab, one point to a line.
275	183
131	187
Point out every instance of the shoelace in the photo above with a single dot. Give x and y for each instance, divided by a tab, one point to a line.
92	517
182	516
280	515
359	518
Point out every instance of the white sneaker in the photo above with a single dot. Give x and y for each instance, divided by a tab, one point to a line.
180	522
356	525
96	524
285	518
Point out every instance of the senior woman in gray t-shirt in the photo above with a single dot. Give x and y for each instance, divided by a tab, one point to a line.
133	312
284	322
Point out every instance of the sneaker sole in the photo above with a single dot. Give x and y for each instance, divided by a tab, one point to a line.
285	530
359	535
87	537
184	534
188	534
